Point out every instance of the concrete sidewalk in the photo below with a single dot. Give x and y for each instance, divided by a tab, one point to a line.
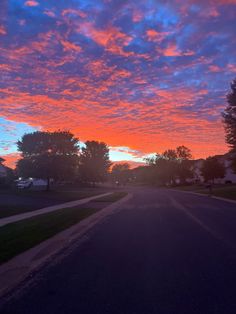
10	219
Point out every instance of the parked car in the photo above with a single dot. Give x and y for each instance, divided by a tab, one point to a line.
30	183
23	184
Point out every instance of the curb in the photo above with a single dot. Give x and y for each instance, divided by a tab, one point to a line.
205	195
19	268
45	210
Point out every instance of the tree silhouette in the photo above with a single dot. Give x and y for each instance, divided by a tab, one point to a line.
212	169
121	173
94	162
171	165
170	154
48	155
183	153
229	116
184	168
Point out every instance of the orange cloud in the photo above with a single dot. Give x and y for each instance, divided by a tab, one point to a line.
152	129
113	86
11	159
173	51
70	46
155	36
111	38
31	3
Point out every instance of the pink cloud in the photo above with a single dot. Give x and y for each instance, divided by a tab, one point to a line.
31	3
231	67
69	46
137	16
214	68
49	13
73	12
173	51
155	36
111	38
2	30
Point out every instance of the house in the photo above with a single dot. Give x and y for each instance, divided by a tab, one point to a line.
230	176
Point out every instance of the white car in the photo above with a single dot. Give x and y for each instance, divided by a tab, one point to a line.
24	184
30	182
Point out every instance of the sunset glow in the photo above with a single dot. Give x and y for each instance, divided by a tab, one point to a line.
142	76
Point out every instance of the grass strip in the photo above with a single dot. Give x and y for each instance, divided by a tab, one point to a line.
7	210
20	236
111	198
225	192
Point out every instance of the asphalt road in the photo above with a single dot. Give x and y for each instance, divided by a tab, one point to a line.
164	252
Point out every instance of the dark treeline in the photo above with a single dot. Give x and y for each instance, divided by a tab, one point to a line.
58	156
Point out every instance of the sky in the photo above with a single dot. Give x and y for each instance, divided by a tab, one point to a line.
142	76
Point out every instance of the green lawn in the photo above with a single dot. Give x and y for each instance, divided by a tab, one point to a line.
56	194
20	236
10	210
191	188
225	191
22	204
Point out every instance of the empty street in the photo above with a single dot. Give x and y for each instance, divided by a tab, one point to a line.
163	251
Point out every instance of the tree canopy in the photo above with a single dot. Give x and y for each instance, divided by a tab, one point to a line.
229	116
171	165
94	162
121	172
212	169
183	153
48	155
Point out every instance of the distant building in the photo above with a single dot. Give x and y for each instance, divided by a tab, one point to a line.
230	176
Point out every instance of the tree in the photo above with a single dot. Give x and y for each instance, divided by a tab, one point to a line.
94	162
163	167
121	172
184	168
170	154
229	116
171	165
183	153
48	155
212	169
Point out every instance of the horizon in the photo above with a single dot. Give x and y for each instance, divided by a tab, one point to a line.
140	77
